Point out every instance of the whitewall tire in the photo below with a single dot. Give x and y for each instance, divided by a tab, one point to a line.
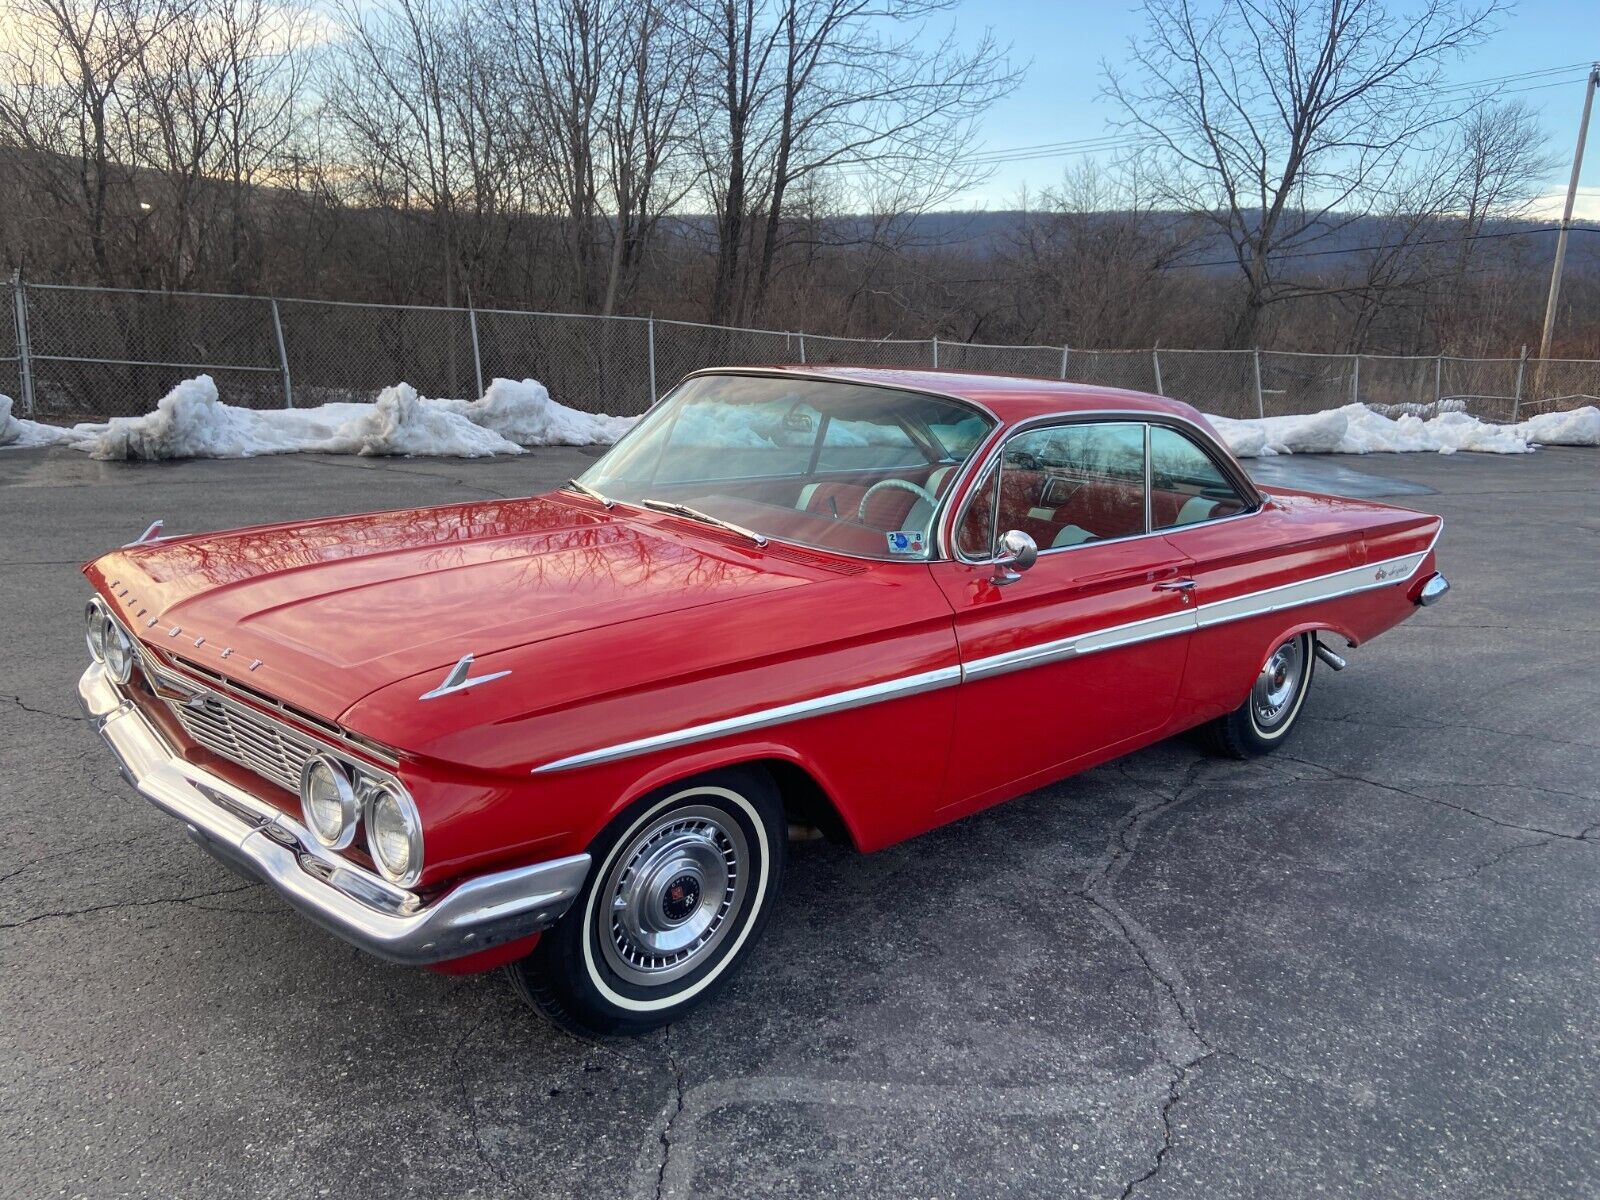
680	889
1272	710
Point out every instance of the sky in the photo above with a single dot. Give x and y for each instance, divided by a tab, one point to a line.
1067	41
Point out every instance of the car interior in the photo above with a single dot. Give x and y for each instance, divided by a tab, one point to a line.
1068	504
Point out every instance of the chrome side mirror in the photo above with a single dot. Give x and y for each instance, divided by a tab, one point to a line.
1014	553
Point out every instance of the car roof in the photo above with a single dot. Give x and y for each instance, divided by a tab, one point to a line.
1012	398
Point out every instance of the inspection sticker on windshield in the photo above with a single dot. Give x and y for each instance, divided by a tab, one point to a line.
905	541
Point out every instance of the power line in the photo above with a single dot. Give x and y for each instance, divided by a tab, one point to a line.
1111	142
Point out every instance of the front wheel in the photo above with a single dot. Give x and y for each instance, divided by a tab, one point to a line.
682	885
1264	721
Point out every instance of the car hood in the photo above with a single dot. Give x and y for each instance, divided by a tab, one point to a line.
325	612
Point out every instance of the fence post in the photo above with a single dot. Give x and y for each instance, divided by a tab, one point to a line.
283	355
1516	400
802	338
1355	379
24	355
1064	352
1261	404
1438	379
650	349
477	359
936	352
1155	361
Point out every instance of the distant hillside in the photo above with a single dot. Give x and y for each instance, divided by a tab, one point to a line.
984	234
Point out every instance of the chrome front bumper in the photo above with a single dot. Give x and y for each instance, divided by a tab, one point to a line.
262	843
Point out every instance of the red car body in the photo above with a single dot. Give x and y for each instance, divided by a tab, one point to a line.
891	697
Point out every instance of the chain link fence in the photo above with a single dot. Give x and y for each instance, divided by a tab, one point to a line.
72	353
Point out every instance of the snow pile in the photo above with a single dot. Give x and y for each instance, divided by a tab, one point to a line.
521	411
1580	427
18	432
190	421
402	422
1359	429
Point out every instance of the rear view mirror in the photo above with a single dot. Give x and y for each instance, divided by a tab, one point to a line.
1014	553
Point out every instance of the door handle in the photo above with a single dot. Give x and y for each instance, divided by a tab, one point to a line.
1176	585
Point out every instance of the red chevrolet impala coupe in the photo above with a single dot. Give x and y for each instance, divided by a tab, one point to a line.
571	734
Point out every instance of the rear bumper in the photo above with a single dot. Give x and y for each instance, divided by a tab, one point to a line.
1433	590
261	843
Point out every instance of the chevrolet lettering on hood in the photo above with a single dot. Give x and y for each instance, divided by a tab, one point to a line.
569	735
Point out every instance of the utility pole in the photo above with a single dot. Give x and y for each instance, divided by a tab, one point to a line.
1566	223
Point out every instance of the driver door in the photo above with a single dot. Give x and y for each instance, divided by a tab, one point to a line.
1081	655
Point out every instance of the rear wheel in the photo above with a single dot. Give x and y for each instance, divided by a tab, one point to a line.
681	888
1264	721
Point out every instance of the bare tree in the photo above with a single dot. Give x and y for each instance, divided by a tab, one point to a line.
65	103
1281	118
846	88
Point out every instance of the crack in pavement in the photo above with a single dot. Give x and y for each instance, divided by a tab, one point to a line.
1581	836
1098	885
1426	725
1096	1096
1166	978
19	702
95	908
120	844
1494	860
1175	1090
672	1116
470	1105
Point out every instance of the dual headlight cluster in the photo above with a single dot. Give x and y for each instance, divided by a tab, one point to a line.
109	644
337	800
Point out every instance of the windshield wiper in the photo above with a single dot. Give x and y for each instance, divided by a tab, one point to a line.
694	514
572	485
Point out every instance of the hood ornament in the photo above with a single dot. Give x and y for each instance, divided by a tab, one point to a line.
151	534
459	679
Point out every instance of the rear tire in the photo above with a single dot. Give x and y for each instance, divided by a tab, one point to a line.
681	888
1272	710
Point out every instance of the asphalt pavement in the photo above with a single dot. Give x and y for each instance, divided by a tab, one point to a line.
1365	966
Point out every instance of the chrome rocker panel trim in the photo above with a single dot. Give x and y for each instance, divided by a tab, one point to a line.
359	906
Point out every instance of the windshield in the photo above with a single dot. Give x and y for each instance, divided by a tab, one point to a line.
838	466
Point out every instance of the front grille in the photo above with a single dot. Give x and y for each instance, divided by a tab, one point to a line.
247	738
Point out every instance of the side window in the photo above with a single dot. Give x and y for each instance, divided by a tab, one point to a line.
867	445
1186	484
1072	484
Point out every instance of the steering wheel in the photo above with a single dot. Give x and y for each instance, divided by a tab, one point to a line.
903	485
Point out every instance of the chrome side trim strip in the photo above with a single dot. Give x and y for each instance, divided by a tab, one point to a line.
1348	582
1082	643
1309	591
890	689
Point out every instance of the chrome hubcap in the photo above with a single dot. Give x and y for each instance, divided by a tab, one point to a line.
672	894
1273	695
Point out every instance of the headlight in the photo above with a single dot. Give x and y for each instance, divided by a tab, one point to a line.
117	647
328	802
94	634
394	834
